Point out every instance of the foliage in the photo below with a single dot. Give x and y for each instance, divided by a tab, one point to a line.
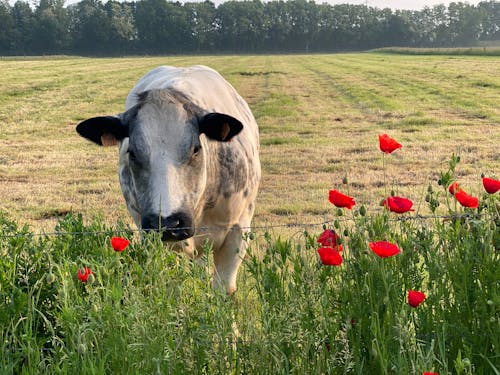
159	27
149	310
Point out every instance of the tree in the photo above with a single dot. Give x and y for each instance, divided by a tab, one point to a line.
24	21
202	24
6	27
51	28
91	28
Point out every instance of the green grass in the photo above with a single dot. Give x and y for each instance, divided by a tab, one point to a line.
151	311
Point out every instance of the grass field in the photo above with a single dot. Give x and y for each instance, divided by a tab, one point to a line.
319	118
150	311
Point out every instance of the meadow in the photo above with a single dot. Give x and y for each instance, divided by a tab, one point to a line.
150	311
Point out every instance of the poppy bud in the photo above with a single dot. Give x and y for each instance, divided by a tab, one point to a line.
362	210
340	212
392	193
336	224
346	233
81	348
344	180
429	188
50	278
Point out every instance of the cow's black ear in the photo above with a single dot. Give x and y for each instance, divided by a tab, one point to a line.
104	131
219	127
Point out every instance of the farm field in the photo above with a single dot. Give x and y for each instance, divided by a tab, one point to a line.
147	310
319	118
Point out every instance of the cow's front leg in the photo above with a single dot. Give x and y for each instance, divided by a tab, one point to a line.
227	260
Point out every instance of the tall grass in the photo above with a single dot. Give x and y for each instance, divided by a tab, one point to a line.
148	310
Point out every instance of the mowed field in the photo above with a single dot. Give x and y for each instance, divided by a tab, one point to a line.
319	118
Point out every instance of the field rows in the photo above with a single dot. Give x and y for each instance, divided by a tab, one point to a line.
319	117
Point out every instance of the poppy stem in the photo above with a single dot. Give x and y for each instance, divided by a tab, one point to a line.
385	177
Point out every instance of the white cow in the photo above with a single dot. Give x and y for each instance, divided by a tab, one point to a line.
188	162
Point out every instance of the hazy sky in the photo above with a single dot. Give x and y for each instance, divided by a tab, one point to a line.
395	4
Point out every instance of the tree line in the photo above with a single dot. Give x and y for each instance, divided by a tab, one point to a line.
91	27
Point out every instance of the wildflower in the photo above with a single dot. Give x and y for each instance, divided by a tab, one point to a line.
340	200
388	144
84	276
415	298
466	200
430	373
329	239
399	205
329	256
454	188
491	185
384	249
119	244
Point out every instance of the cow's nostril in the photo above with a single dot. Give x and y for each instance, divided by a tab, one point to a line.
176	227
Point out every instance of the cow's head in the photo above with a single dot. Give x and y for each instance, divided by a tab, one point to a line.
163	157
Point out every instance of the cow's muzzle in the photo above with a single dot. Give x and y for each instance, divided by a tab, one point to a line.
176	227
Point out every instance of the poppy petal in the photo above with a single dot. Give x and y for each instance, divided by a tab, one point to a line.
328	238
340	200
454	188
388	144
84	274
119	244
415	298
491	185
384	249
466	200
399	205
329	256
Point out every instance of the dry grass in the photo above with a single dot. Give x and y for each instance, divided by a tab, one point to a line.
319	117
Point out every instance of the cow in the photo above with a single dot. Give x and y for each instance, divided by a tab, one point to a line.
188	162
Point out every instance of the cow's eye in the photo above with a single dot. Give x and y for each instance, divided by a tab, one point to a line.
131	156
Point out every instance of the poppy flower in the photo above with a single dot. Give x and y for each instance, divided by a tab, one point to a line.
329	256
384	249
329	239
388	144
415	298
454	188
491	185
83	276
399	205
340	200
430	373
466	200
119	244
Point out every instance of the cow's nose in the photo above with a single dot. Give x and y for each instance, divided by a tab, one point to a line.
176	227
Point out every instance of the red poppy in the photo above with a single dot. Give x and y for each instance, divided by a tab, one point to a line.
491	185
415	298
388	144
83	276
399	205
466	200
119	244
340	200
430	373
329	256
454	188
329	239
384	249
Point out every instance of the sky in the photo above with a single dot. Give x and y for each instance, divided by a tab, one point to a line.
396	4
